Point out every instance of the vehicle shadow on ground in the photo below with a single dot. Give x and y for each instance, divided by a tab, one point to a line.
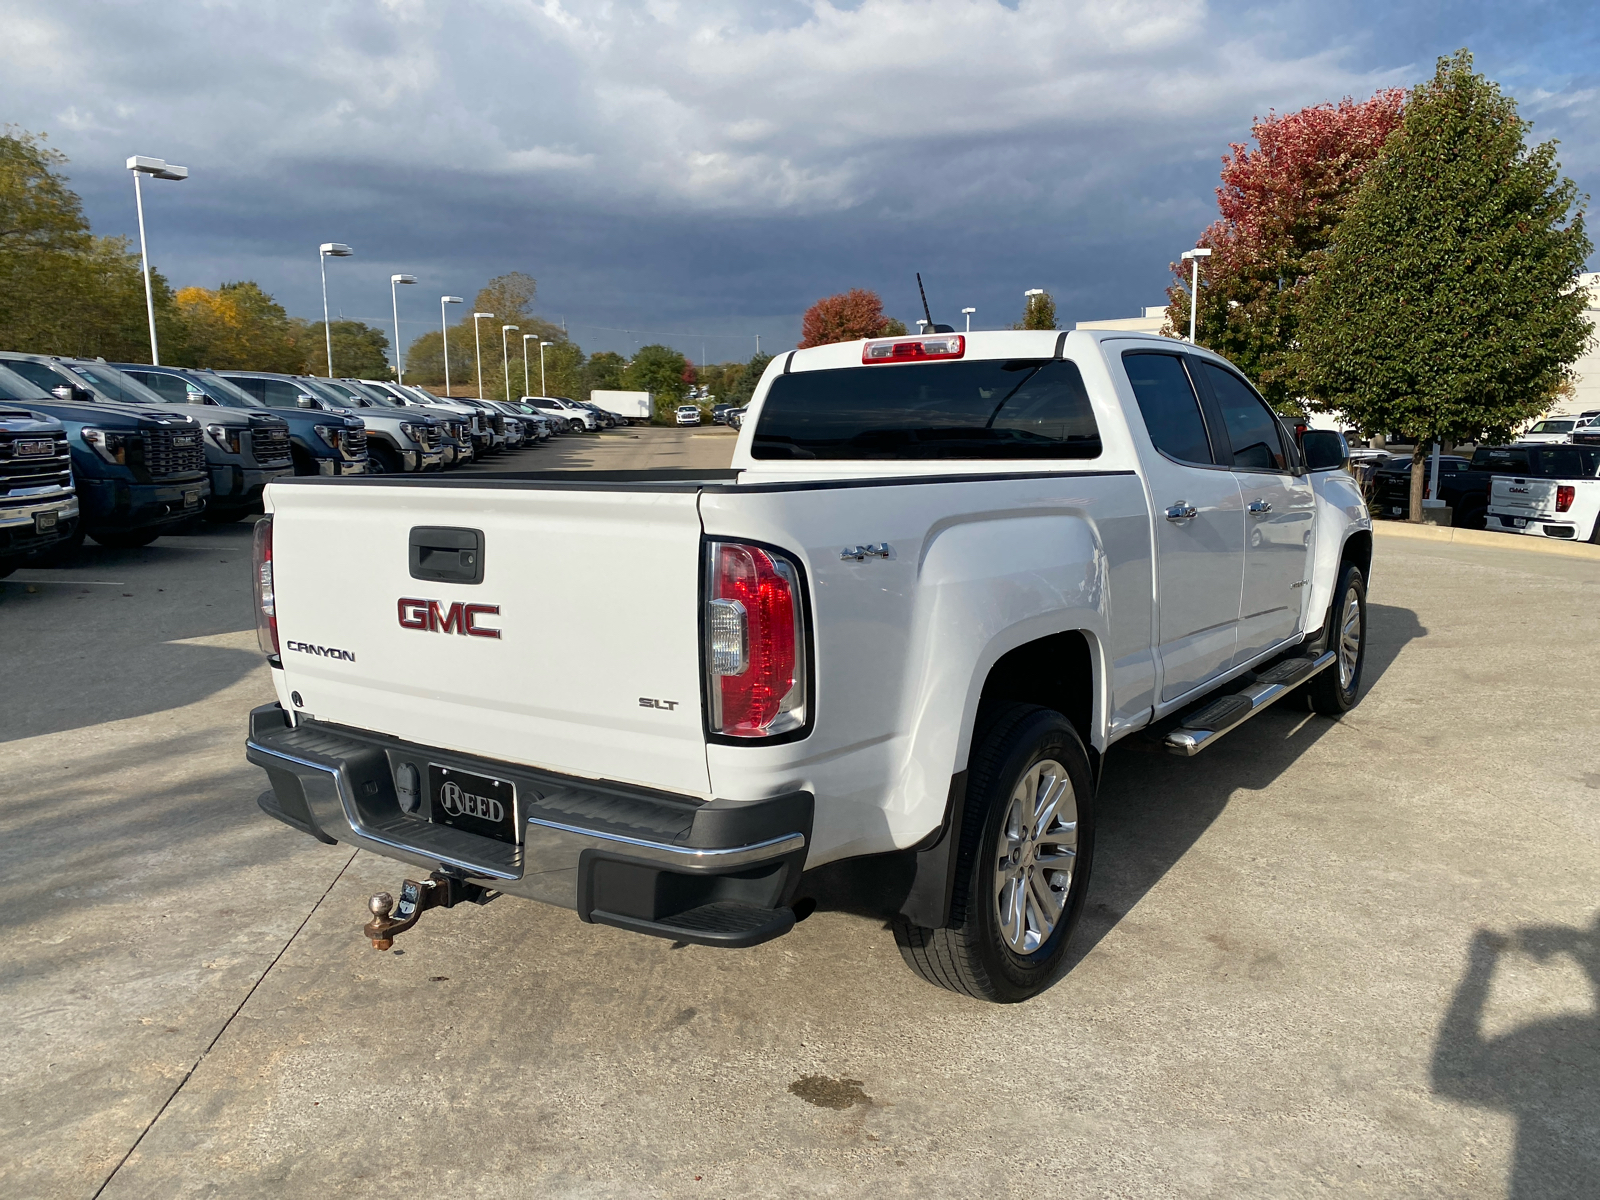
1153	807
1546	1073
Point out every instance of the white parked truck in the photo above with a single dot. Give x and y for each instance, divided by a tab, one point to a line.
889	647
1557	495
635	406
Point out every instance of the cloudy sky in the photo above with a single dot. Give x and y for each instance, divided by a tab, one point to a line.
700	173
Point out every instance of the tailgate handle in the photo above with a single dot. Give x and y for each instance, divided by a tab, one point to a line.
443	554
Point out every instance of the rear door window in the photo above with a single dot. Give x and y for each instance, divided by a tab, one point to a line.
1170	408
169	387
1253	430
1034	408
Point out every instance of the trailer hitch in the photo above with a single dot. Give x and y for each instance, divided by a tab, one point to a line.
437	891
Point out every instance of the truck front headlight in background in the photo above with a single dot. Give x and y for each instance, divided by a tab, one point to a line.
227	438
113	447
329	434
410	430
755	651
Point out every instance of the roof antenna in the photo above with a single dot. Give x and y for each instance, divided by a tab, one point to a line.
932	328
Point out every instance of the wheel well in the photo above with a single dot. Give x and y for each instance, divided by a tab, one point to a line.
1054	672
1358	549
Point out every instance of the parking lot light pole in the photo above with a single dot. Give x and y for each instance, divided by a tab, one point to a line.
444	332
505	356
967	312
161	169
1194	257
542	390
399	367
526	338
477	340
326	251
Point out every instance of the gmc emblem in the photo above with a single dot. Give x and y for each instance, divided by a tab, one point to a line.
458	618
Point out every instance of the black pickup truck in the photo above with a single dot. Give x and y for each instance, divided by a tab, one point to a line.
1463	483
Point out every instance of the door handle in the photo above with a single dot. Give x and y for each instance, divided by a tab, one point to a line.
1260	508
1182	511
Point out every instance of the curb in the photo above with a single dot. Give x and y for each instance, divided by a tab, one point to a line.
1482	537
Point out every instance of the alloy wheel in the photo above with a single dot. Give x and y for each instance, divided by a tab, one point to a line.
1349	639
1035	856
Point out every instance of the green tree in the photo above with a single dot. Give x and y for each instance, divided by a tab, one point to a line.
510	298
745	387
359	350
1040	313
63	290
1447	308
604	372
425	360
658	370
564	371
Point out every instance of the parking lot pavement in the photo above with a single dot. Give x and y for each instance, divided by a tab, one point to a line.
1321	959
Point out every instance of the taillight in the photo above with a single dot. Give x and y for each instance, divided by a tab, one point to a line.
266	601
1564	494
755	642
917	349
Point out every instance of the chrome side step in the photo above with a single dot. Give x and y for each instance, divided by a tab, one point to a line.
1206	727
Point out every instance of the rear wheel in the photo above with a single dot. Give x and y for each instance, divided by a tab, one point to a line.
1023	868
1335	691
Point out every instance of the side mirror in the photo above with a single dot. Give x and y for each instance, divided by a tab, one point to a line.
71	394
305	401
1325	450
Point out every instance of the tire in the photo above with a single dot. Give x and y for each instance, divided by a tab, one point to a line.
1338	688
381	460
125	539
8	565
1594	535
985	951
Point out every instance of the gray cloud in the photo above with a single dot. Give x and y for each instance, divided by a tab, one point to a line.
715	167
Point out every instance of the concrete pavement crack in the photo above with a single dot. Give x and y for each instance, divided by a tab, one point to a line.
195	1066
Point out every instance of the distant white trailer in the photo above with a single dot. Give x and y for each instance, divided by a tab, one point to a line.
636	406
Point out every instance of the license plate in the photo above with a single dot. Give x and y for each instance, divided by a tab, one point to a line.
1520	522
45	520
33	449
190	499
185	440
1395	512
473	803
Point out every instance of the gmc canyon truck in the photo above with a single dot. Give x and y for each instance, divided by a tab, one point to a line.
888	649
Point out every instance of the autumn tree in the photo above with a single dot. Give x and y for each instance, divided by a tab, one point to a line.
1447	308
1040	312
1279	204
240	327
846	317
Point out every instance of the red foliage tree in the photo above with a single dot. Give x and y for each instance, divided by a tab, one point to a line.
1279	204
846	317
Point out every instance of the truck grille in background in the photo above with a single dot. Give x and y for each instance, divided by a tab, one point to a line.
32	471
269	445
477	423
353	442
499	424
169	452
428	437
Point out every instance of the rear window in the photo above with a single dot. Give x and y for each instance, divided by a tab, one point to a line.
974	409
1563	462
1503	460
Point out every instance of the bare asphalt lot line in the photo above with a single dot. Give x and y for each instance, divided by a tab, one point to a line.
1320	959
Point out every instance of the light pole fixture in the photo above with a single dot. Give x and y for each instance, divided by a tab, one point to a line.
444	332
326	251
967	312
161	169
542	390
1194	257
399	367
505	357
526	338
477	341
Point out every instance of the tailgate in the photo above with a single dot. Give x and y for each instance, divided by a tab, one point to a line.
597	599
1522	497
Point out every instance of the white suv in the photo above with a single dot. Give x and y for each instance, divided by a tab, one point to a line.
569	415
688	414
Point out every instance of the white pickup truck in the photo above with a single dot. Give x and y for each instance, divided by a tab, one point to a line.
882	657
1557	495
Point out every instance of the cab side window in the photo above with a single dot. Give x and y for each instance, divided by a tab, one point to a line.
1252	428
256	387
169	387
37	373
1169	406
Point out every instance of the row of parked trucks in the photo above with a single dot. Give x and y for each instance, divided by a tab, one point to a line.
125	452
